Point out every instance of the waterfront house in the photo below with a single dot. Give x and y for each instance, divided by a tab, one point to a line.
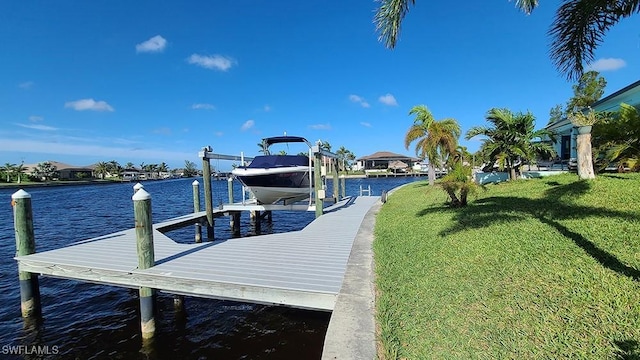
381	161
566	132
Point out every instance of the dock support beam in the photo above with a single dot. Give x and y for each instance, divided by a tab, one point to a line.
234	222
25	245
230	189
196	208
336	182
144	241
319	186
208	197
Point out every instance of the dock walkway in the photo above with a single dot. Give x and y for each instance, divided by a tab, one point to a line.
303	269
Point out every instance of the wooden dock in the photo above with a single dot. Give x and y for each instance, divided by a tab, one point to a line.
303	269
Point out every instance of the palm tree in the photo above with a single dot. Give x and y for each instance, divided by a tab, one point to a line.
8	170
511	139
101	169
434	139
577	30
618	138
129	165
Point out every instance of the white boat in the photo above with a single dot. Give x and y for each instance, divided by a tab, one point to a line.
278	178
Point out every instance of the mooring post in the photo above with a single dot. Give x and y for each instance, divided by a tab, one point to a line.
235	223
196	209
230	189
26	245
343	186
144	240
137	187
336	182
317	175
255	219
208	198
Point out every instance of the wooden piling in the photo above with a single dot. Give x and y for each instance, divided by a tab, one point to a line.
317	175
230	189
343	186
144	239
137	187
196	208
235	222
208	197
25	245
336	183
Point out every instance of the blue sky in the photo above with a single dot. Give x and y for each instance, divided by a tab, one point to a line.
143	81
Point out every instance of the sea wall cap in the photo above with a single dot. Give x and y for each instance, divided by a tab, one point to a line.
21	194
141	194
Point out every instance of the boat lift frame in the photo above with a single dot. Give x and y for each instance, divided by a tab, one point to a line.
316	198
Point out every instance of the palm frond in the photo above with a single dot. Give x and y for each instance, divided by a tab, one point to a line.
526	6
388	20
580	26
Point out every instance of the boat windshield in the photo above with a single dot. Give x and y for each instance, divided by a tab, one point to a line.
273	161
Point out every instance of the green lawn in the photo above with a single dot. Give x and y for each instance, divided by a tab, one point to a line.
546	268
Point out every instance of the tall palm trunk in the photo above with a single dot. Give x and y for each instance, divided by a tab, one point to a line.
585	161
432	174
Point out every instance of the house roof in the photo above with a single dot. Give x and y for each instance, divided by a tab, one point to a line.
58	165
387	155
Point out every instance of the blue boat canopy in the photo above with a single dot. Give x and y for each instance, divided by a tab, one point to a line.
284	139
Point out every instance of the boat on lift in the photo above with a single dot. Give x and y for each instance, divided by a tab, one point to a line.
275	178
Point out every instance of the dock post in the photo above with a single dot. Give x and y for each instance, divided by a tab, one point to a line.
137	187
196	208
336	182
317	175
25	245
342	186
234	218
230	189
144	240
255	219
208	198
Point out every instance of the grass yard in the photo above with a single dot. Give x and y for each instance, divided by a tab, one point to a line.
535	269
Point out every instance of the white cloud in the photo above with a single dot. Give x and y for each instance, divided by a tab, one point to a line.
26	85
107	152
162	131
359	100
365	124
153	45
388	100
247	125
320	126
218	133
38	127
88	104
202	107
213	62
35	118
607	64
267	108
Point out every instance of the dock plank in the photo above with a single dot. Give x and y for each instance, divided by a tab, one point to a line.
301	268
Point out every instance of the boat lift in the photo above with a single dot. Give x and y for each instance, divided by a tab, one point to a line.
317	194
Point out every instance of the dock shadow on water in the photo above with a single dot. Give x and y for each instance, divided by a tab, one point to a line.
108	327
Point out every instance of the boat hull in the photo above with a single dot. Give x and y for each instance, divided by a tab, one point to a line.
274	184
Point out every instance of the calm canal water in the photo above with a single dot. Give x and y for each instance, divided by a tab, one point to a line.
87	321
